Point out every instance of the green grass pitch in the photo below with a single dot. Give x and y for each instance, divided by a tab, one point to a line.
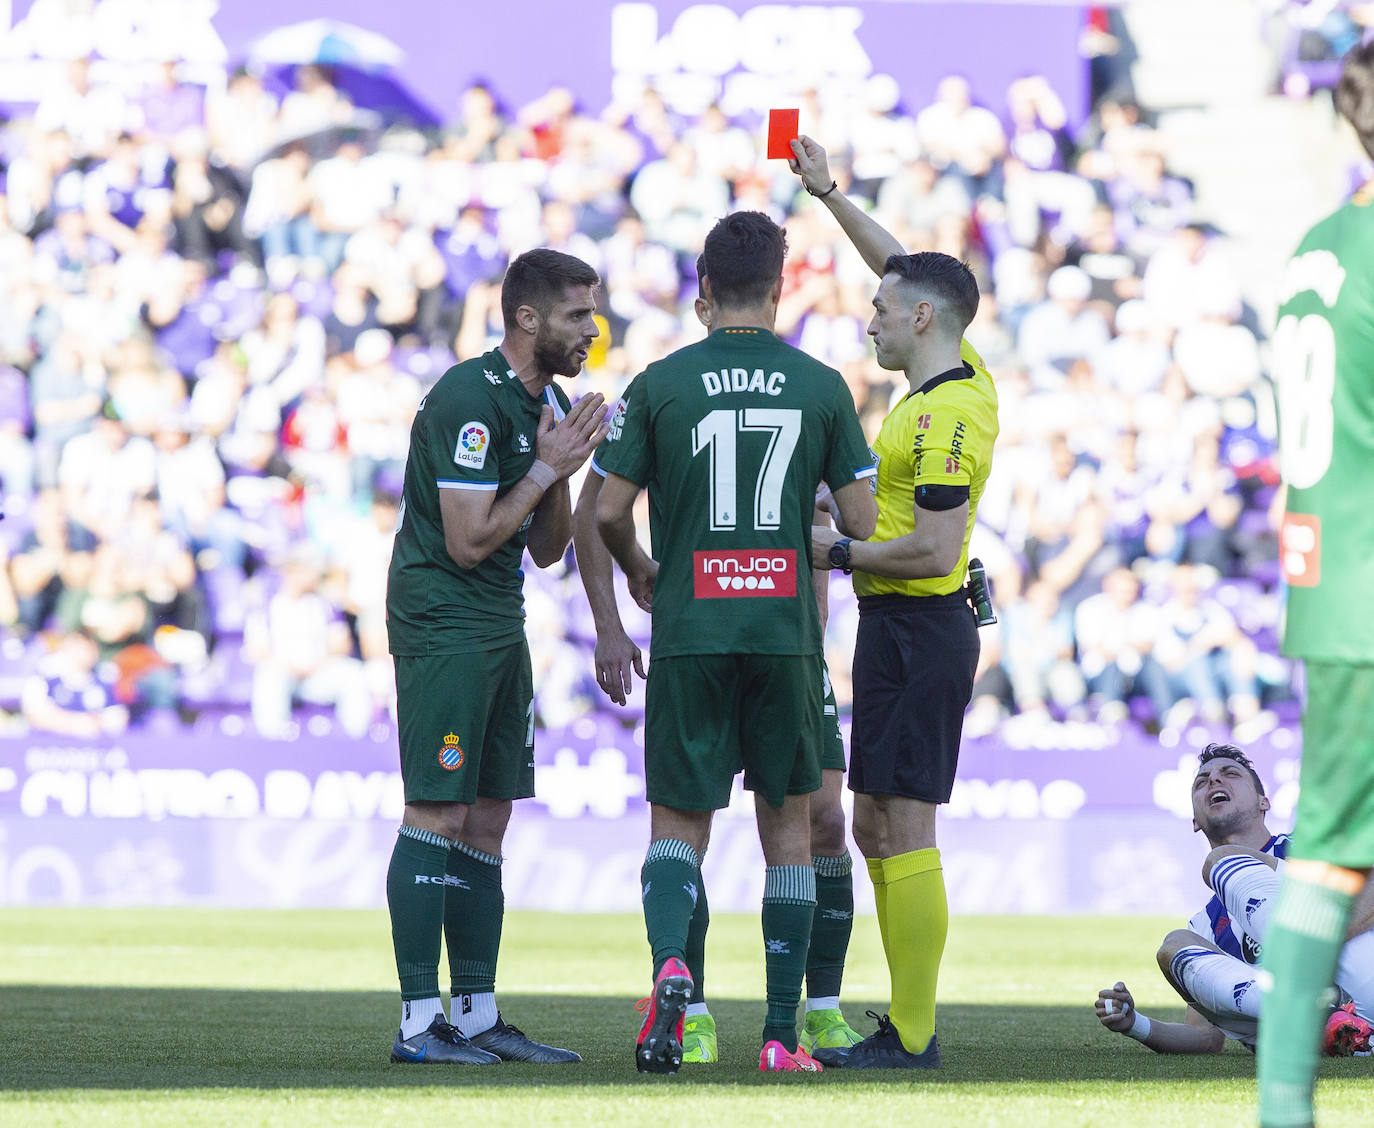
214	1017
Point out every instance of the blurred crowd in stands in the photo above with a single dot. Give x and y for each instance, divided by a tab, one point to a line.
219	310
1311	37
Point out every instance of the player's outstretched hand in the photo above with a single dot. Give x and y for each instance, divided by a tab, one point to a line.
615	657
641	585
808	161
568	445
1115	1008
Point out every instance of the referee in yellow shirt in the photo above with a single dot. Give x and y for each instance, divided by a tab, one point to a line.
917	644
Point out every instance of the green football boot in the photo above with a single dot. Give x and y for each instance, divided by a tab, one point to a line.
699	1039
826	1036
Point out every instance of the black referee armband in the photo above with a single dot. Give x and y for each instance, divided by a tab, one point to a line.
941	496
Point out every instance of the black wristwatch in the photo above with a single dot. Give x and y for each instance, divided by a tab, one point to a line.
839	554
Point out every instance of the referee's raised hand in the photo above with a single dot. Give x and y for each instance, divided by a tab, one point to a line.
568	445
809	162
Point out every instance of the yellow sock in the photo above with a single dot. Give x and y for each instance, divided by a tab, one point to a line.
917	920
875	871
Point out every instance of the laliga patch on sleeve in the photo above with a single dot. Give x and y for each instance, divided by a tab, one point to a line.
782	130
617	420
473	440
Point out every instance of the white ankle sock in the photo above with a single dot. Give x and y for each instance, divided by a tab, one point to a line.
824	1002
417	1014
694	1009
474	1013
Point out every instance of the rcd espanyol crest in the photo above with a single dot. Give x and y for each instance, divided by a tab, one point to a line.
451	754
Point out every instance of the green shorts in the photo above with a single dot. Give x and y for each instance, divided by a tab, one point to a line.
1335	821
707	716
832	743
466	725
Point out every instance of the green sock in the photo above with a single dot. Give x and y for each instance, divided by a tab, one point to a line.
831	926
473	916
695	956
415	895
669	881
1301	949
789	902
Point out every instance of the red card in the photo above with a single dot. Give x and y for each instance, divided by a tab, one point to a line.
782	128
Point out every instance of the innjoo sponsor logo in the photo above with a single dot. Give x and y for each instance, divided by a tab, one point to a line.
732	573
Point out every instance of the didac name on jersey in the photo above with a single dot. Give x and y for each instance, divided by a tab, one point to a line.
742	380
734	573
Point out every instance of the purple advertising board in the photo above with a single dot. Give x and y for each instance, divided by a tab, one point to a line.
1045	818
750	56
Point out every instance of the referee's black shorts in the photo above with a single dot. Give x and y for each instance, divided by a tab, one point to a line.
914	660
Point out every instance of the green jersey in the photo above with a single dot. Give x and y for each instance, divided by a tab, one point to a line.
1324	368
735	433
474	431
613	433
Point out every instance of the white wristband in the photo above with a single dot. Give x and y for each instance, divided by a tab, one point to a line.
541	474
1140	1029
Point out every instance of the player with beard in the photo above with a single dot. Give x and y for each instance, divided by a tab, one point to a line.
491	449
1211	963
